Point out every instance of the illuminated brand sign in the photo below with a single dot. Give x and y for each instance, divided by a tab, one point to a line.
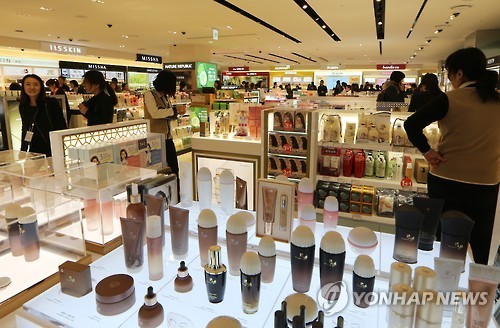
62	48
390	66
179	66
148	58
282	68
143	69
332	67
96	66
239	68
88	66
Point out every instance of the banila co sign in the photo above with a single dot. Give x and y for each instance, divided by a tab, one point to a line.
62	48
390	67
148	58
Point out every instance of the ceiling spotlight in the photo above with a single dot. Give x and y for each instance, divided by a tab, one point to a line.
124	36
438	31
229	27
324	26
379	23
46	8
122	46
421	48
317	19
19	31
304	7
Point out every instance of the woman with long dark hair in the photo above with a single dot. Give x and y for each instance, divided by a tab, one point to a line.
101	107
429	89
39	116
465	169
158	108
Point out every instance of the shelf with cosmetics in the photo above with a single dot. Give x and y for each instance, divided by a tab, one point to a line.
303	271
287	142
37	234
182	131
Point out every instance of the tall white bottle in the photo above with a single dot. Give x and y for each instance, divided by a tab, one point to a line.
227	191
186	181
204	180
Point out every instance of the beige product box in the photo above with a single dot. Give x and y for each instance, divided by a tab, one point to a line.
350	133
155	151
99	153
421	170
383	125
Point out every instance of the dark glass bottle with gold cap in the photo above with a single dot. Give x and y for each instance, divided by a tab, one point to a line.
215	275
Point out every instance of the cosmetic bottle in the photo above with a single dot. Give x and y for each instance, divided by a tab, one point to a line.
402	310
372	132
362	132
155	205
236	239
336	128
241	194
307	216
331	263
207	233
215	275
155	247
330	213
204	181
227	191
11	217
320	322
431	208
179	228
183	282
250	277
133	242
380	165
151	313
280	320
482	279
348	163
363	280
327	128
398	134
267	256
398	175
424	278
455	233
136	209
105	208
359	164
302	258
400	274
91	210
30	239
448	273
186	184
224	322
283	219
391	169
269	196
408	222
369	165
305	193
340	322
429	313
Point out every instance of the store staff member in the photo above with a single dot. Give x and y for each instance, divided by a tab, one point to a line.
159	110
322	89
101	107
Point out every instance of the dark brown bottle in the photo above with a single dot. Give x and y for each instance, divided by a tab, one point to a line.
151	313
183	282
215	275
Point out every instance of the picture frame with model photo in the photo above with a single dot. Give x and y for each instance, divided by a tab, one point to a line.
275	204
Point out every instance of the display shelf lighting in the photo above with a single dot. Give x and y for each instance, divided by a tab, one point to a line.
317	19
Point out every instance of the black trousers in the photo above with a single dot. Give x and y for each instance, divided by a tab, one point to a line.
173	163
479	202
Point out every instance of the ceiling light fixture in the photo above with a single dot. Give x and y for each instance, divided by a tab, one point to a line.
19	31
257	20
122	46
416	18
46	8
285	58
438	31
229	27
428	41
379	15
124	36
314	15
302	56
262	58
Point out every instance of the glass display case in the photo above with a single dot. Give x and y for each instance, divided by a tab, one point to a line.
102	190
11	156
37	234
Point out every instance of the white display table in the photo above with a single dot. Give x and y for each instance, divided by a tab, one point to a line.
192	310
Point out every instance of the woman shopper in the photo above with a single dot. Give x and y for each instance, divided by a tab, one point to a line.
159	110
429	89
39	116
101	107
393	89
465	169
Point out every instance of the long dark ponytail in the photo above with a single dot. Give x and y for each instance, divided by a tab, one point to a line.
472	62
96	77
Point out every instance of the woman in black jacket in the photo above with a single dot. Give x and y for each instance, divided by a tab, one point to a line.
39	116
101	107
429	90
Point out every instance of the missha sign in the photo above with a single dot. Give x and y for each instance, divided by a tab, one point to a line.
148	58
390	67
63	48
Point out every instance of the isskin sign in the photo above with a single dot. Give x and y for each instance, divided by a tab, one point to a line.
63	48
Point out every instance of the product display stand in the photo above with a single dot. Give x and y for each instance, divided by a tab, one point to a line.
193	309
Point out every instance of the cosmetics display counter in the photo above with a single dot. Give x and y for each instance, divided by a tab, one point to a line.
193	310
35	238
240	154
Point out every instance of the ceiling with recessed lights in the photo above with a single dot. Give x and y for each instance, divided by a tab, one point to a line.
303	33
